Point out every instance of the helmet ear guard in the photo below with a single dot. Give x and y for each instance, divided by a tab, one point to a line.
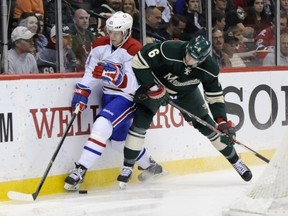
199	48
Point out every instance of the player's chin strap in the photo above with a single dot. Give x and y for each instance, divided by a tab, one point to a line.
206	124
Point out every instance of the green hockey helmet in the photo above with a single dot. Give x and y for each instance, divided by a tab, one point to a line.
199	48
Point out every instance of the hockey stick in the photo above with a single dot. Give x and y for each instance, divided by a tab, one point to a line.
206	124
14	195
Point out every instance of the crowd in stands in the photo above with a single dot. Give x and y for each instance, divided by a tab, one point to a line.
243	31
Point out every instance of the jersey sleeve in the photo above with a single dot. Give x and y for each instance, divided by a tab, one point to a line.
213	92
91	62
149	57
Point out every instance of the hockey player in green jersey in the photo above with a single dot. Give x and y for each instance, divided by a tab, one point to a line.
173	70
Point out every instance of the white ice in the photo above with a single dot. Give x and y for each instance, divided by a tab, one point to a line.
205	194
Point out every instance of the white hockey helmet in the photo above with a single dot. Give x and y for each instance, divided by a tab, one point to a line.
120	21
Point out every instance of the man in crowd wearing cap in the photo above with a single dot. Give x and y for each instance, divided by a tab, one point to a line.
20	59
230	48
46	60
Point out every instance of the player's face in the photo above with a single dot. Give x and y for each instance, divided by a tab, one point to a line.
190	61
116	37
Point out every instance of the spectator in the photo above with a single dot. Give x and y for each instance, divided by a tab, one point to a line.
256	17
284	6
46	61
230	48
31	22
265	40
233	17
175	27
29	6
106	10
218	55
20	59
82	37
164	6
129	6
67	13
153	21
195	20
269	8
218	20
220	5
248	55
41	40
269	60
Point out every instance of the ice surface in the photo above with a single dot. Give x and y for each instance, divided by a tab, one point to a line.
205	194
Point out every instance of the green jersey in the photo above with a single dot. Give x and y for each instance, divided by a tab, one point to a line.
165	63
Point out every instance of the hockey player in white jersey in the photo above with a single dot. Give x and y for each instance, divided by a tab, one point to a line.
109	62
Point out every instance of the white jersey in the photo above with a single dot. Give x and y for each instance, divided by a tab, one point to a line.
122	56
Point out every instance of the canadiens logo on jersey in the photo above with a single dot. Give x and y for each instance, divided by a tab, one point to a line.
187	70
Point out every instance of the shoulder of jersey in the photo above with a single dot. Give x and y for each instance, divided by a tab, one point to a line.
102	41
132	46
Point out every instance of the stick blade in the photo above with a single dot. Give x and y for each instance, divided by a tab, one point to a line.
18	196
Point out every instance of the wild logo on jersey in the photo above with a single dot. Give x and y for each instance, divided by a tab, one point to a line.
172	78
187	70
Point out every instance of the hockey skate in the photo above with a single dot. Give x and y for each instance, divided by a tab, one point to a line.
243	170
153	171
124	177
73	181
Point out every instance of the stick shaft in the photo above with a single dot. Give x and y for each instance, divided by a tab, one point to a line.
211	127
26	197
35	194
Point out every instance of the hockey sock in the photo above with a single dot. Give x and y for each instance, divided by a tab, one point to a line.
92	150
130	156
96	143
230	154
143	159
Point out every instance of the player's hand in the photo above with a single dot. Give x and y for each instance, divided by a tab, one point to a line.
156	91
111	73
80	97
228	128
98	70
